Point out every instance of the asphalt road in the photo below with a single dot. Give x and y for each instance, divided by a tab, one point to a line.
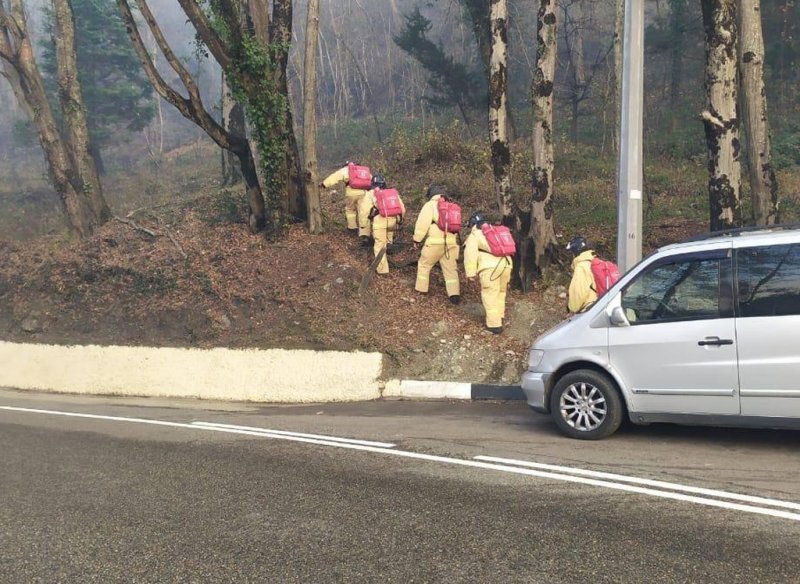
92	499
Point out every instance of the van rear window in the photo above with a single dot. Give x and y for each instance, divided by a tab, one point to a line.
768	280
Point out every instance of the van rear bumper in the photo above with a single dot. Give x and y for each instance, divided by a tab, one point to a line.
534	385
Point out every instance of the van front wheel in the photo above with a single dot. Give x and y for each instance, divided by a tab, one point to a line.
586	405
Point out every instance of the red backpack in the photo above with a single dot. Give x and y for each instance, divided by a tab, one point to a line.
605	273
387	201
449	219
501	242
359	177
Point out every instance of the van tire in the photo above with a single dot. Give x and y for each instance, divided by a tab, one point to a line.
592	407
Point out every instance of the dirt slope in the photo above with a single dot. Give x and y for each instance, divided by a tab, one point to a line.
124	286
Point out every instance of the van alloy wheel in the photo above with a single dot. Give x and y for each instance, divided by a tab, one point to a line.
583	406
586	404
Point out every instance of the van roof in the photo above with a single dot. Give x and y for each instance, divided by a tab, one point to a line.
757	234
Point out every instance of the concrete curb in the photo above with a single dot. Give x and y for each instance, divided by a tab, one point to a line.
411	389
267	376
276	375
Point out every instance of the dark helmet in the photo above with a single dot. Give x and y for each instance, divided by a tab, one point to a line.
378	182
477	219
577	244
434	190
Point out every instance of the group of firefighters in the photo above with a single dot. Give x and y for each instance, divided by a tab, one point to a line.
372	209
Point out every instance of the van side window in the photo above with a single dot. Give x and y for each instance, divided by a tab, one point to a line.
768	282
684	290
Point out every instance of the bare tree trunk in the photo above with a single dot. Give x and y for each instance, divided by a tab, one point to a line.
234	123
313	208
763	184
484	39
498	108
720	117
538	247
22	72
71	99
619	29
281	33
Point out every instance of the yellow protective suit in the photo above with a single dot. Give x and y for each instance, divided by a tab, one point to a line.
494	273
581	287
439	247
352	197
383	228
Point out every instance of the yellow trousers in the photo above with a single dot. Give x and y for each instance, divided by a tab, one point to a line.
352	198
447	258
383	233
494	284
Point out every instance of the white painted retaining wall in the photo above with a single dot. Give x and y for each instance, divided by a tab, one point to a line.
275	375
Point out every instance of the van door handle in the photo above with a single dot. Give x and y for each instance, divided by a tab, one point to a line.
714	342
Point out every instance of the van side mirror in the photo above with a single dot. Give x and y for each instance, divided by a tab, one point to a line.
617	317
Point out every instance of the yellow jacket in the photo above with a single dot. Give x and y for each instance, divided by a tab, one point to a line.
365	208
342	175
581	288
426	228
477	256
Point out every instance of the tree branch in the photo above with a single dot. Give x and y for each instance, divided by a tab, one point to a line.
18	17
191	108
169	55
7	22
5	48
708	117
207	34
161	86
136	226
8	29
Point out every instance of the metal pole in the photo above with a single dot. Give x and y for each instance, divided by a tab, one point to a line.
629	170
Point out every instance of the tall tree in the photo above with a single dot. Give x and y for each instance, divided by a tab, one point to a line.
314	212
498	107
116	92
71	168
535	224
763	184
192	107
251	47
720	117
279	40
452	82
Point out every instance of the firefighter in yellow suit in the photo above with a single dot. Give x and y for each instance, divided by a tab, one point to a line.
581	288
437	247
382	228
352	197
494	273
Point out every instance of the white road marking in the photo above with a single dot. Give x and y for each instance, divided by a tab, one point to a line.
297	434
447	460
647	482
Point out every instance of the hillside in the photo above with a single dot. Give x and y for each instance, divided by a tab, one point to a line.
202	280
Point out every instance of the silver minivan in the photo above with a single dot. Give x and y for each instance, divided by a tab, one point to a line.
701	332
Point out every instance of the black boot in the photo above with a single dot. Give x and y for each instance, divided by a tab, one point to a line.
455	299
495	330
